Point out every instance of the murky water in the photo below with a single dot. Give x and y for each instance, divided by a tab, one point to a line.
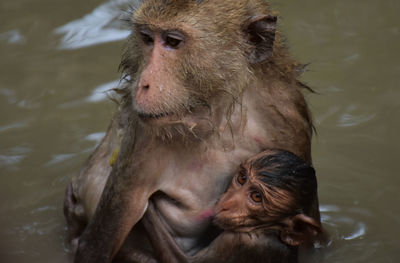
58	57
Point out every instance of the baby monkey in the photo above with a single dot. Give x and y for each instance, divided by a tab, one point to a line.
264	215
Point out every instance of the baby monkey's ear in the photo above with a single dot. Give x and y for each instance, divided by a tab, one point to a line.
299	229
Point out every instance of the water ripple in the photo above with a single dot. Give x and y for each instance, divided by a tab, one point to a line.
13	37
10	160
14	156
9	94
102	25
58	158
101	93
344	224
359	232
348	120
15	125
95	136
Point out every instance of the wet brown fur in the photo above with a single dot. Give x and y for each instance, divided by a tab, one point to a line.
267	231
226	107
217	64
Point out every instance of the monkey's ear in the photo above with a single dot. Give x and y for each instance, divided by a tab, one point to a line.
300	229
260	32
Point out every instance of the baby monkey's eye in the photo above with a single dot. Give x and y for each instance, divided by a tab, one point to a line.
256	196
242	179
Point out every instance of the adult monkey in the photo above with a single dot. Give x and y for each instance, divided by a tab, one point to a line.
211	84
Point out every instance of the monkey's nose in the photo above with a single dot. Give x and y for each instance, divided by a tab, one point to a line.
221	208
143	90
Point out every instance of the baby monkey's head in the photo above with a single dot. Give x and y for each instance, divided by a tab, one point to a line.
273	190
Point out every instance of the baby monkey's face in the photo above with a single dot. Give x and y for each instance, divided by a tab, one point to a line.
244	205
265	194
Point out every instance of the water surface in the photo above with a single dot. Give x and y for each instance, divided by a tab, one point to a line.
59	57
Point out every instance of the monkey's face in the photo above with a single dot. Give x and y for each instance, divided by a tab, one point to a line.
252	203
159	97
241	207
188	69
169	90
177	81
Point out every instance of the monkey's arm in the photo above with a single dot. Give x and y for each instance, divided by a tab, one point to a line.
114	218
237	247
230	246
122	204
167	250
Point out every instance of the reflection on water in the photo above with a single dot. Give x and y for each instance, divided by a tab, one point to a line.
335	219
99	94
96	136
352	119
103	91
102	25
13	37
13	155
54	111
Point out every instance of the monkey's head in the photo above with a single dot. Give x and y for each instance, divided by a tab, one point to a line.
189	61
273	190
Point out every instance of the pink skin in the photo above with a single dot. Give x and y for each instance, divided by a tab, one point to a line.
257	139
205	215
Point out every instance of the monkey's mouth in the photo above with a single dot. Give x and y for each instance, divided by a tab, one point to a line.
239	224
164	117
196	119
145	116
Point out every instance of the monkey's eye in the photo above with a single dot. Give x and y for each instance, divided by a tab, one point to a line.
173	39
256	196
146	37
241	179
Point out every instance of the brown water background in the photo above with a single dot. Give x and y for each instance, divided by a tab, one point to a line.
53	111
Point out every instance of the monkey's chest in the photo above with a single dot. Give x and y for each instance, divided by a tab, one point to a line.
186	201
